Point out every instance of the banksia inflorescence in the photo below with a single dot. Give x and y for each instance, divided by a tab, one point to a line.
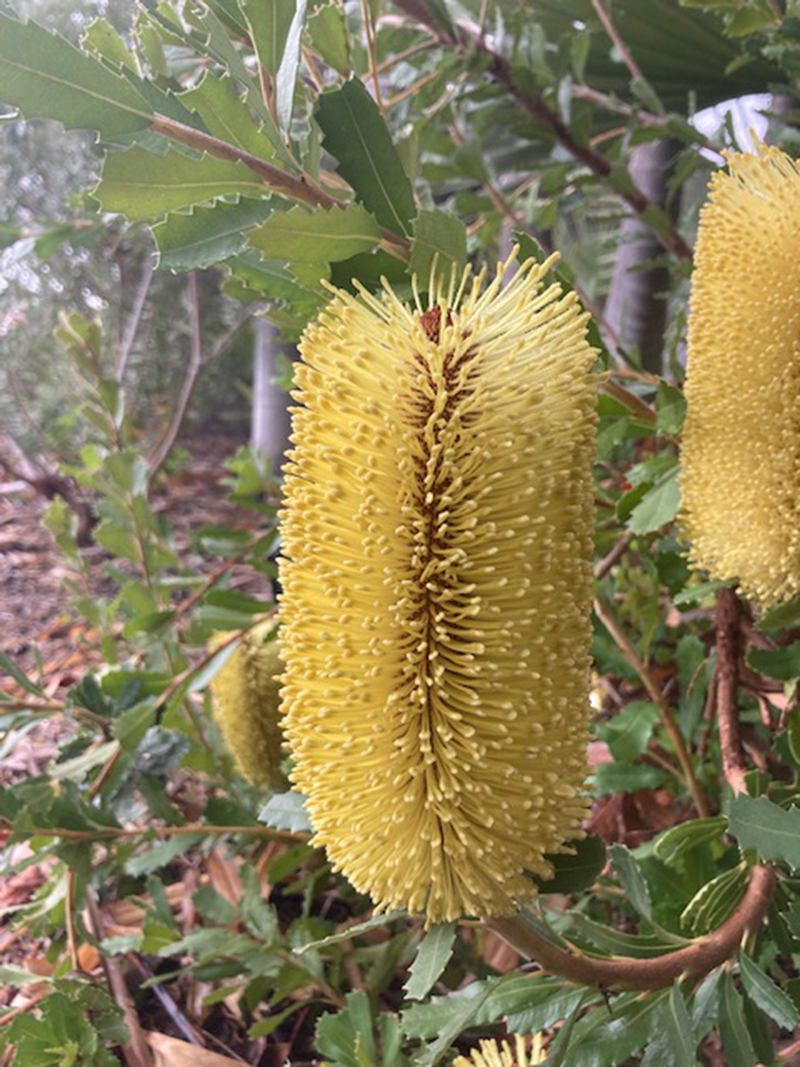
495	1054
740	483
246	704
437	588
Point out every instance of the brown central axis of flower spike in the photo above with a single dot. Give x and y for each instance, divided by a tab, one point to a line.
437	589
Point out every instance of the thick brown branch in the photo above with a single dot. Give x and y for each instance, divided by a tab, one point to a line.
734	766
536	106
622	972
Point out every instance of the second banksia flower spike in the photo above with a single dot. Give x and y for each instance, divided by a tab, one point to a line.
437	588
740	464
246	700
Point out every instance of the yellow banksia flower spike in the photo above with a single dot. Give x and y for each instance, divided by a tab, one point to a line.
501	1054
246	704
740	481
437	533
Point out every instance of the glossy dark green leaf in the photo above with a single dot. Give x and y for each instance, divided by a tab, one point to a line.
432	957
355	134
572	873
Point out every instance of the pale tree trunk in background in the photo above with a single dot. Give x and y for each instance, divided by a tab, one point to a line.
269	432
635	307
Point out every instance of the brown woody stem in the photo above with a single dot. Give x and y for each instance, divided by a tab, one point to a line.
622	972
734	767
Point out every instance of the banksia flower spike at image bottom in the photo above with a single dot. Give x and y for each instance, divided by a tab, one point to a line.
437	588
740	482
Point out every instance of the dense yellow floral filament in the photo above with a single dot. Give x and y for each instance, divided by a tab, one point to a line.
740	483
437	534
495	1054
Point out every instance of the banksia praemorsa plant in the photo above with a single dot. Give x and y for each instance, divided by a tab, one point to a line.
495	1054
741	473
437	587
246	704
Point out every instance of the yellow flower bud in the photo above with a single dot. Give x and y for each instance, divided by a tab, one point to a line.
246	704
437	537
496	1054
740	460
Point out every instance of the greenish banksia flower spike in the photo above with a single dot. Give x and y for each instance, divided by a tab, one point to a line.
437	537
246	704
493	1053
740	480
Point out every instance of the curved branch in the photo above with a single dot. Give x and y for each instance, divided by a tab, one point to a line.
623	972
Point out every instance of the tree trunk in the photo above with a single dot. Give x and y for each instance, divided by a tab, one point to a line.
269	433
636	308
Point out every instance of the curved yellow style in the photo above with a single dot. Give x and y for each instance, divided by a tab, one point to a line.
492	1053
246	704
437	537
740	481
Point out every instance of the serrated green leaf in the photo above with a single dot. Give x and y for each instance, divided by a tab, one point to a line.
673	1044
140	185
102	39
377	922
628	733
432	957
327	27
767	995
773	832
670	408
678	840
286	811
658	507
316	236
441	236
733	1028
47	77
631	879
356	135
781	663
208	236
8	665
227	116
269	22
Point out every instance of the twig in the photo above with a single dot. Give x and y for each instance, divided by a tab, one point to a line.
734	766
69	920
137	1054
536	106
133	322
623	972
373	60
617	41
632	656
614	556
631	401
162	832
